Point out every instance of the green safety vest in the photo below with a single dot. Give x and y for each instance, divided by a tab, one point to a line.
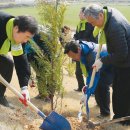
96	31
101	40
81	26
16	49
100	31
84	70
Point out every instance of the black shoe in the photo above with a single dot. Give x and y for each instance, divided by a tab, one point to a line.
77	90
47	99
101	116
4	102
39	97
124	123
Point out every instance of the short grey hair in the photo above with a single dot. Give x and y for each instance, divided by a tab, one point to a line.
93	10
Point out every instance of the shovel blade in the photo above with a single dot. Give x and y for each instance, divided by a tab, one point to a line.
55	122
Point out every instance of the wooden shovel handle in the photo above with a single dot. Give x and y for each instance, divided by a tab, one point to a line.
17	93
94	69
105	123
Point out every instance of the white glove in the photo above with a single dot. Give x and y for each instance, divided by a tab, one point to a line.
25	93
98	64
83	99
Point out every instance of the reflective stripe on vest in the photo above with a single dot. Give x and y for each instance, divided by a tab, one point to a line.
81	26
100	31
16	49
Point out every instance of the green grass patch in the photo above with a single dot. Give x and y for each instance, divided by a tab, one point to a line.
23	10
71	14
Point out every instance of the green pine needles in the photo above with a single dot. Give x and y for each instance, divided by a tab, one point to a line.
49	68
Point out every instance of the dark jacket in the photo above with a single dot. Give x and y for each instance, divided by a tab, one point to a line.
31	52
21	62
117	31
86	34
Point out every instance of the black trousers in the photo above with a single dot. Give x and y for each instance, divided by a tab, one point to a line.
6	70
121	93
102	93
79	76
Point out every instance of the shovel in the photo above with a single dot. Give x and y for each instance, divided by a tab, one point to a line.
92	80
53	121
80	113
93	125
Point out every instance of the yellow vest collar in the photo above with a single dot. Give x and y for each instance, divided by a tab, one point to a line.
9	30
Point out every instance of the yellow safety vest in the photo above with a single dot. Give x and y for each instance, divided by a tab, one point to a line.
84	70
81	26
100	31
16	49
